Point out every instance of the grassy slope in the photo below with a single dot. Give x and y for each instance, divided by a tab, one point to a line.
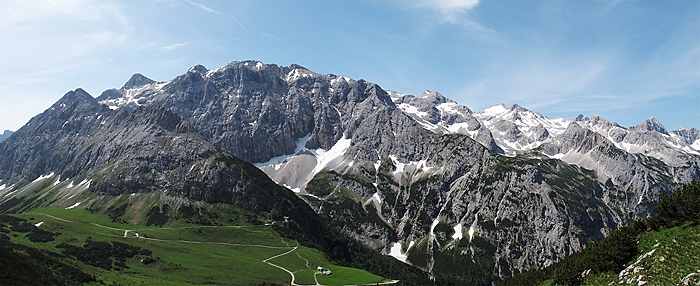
659	250
676	254
190	254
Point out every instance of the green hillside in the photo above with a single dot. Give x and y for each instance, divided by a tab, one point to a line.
73	246
668	257
661	250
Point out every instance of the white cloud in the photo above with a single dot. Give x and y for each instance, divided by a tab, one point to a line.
541	83
203	7
73	27
450	10
447	5
271	36
174	46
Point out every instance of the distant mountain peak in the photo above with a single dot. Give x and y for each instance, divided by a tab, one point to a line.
518	108
297	71
76	95
434	97
651	124
137	80
296	66
689	135
580	117
198	69
5	134
494	110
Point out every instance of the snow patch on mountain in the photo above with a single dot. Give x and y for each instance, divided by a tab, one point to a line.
377	198
471	233
298	73
73	206
493	111
435	222
517	129
137	96
448	108
645	138
295	170
396	252
279	160
412	167
40	178
325	158
337	80
458	232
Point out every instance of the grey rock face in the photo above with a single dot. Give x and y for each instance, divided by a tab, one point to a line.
650	124
689	135
381	166
5	134
148	149
516	129
137	80
404	171
442	115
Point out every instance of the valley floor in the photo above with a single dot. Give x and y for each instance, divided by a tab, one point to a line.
191	254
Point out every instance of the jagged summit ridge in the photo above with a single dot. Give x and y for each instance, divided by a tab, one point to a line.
507	130
651	124
5	134
394	168
137	80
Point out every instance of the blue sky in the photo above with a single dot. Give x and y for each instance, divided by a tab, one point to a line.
623	60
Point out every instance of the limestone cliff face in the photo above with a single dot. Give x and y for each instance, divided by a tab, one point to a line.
452	191
387	167
144	150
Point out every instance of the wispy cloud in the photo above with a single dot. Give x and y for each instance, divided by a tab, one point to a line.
244	29
174	46
204	7
271	36
449	10
83	25
540	83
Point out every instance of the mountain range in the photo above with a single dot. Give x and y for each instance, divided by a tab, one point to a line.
470	196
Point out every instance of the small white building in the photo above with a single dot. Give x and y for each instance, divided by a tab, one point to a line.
324	270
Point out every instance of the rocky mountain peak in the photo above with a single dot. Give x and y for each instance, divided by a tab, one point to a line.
651	124
580	117
518	108
494	110
386	168
597	120
433	97
111	93
137	80
689	135
75	97
296	72
5	134
296	66
198	69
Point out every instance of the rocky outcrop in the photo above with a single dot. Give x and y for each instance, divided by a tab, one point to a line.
148	149
5	134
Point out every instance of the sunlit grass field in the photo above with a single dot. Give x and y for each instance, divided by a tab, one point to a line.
190	254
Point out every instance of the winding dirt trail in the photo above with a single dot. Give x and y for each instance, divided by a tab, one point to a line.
126	233
280	267
266	261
